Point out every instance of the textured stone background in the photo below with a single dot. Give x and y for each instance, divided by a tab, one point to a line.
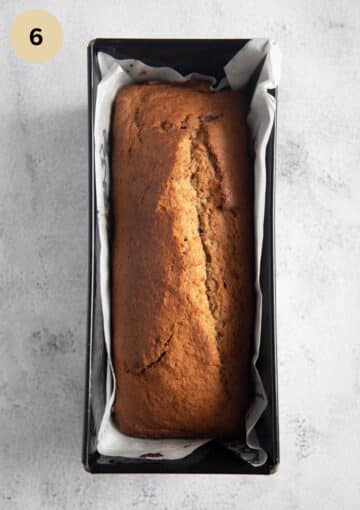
43	243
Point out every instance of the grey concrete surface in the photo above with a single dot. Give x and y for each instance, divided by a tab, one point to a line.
43	243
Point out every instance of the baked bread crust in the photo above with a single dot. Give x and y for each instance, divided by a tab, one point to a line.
182	260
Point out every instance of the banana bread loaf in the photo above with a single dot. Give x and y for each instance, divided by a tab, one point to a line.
182	260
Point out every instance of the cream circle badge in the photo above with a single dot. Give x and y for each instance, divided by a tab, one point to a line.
35	35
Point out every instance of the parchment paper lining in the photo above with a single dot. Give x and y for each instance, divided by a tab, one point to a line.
115	74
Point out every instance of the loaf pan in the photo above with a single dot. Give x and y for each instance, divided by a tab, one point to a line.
206	56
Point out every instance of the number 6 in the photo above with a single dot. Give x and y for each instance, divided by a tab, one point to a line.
35	37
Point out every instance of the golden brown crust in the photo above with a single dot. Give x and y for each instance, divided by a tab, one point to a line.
182	260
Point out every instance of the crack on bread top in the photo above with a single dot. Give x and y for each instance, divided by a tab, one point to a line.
210	118
205	178
156	361
138	123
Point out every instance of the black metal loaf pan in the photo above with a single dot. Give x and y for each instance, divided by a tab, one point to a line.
207	56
